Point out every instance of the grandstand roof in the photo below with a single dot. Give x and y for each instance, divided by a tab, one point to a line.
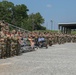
68	25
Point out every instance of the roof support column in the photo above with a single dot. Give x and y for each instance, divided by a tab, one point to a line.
62	29
65	30
59	29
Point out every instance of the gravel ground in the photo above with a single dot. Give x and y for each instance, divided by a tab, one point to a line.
56	60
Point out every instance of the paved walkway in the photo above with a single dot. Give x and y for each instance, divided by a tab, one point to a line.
56	60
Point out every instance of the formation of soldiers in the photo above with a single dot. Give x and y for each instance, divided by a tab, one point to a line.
55	38
10	41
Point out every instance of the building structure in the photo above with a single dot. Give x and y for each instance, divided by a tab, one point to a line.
66	27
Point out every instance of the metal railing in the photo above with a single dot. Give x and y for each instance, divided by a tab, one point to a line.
18	28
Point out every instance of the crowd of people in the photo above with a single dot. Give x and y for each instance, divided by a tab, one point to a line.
53	38
9	41
12	40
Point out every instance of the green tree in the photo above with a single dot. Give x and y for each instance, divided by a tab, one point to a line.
13	13
18	15
6	10
36	21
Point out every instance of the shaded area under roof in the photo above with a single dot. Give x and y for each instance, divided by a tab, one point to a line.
68	25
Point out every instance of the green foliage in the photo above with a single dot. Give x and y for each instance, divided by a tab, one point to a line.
73	32
5	10
18	15
52	31
36	21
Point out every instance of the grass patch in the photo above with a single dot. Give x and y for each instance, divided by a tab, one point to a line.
47	31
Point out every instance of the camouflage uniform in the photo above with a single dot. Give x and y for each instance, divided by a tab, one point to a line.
8	47
17	45
59	39
50	41
3	47
14	46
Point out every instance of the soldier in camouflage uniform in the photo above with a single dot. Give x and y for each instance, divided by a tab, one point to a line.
2	44
50	40
14	44
59	39
8	45
17	44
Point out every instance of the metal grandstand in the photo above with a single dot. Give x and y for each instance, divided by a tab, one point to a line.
17	28
66	27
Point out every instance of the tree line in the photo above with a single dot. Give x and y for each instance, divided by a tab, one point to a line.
18	16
